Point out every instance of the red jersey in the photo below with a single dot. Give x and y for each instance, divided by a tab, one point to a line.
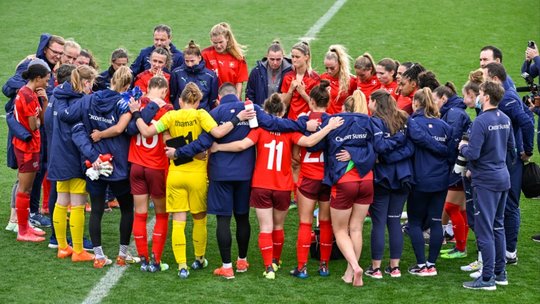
274	159
26	105
312	163
369	86
149	152
297	104
143	79
226	66
405	102
391	88
337	98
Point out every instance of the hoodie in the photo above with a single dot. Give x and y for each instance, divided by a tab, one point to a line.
257	86
99	111
204	78
64	157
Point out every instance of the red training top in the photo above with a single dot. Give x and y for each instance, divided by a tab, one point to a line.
298	105
26	105
149	152
369	86
274	159
226	66
312	163
405	102
143	79
337	98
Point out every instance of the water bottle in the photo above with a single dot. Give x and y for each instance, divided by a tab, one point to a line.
253	123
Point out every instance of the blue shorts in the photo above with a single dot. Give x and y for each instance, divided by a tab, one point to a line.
226	197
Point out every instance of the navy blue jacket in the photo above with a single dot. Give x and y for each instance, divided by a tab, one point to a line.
103	81
432	138
204	78
490	140
65	159
235	166
355	136
394	169
142	62
257	86
523	126
453	113
99	111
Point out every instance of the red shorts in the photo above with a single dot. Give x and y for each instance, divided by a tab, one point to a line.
265	198
456	187
145	180
344	195
26	161
314	189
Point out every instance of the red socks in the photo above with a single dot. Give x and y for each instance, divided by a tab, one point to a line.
46	191
325	240
458	224
464	216
303	243
278	238
140	234
266	247
22	203
160	235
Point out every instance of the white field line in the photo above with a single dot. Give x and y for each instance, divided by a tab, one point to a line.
113	275
316	28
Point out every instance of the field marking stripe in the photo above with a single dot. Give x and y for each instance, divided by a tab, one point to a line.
113	275
316	28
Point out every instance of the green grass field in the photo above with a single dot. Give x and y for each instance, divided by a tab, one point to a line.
445	36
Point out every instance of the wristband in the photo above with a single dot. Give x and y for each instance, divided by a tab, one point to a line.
235	121
136	115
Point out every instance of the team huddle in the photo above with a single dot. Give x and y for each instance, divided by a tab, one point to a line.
172	130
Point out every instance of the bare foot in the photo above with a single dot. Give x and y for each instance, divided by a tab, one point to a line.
347	277
357	279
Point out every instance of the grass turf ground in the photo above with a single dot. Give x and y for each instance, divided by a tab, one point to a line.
445	36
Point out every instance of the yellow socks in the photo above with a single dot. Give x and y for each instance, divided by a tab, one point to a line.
60	225
179	241
199	236
76	225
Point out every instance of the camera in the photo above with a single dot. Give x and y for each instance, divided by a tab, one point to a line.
531	44
532	98
460	167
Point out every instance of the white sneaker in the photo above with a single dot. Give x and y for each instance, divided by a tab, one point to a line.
12	226
474	266
476	274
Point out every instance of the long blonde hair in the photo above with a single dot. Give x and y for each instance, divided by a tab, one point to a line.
82	72
233	47
338	53
356	103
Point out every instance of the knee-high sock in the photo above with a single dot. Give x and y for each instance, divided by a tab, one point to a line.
179	242
22	203
200	235
464	216
160	235
458	224
60	225
266	247
325	240
278	238
46	191
126	217
76	225
303	243
140	234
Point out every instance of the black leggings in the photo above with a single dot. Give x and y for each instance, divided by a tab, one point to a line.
125	200
224	237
